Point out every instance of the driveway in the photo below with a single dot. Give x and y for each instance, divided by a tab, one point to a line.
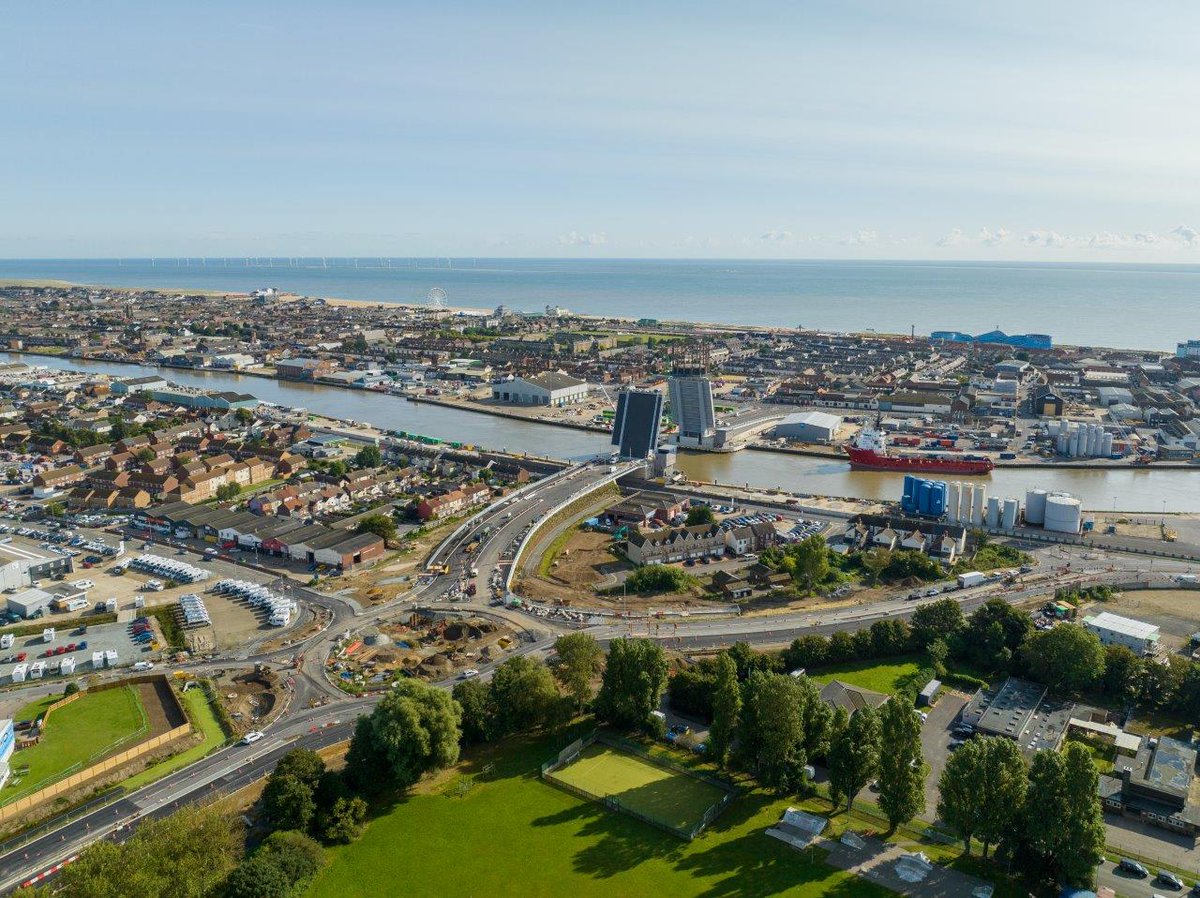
876	861
935	741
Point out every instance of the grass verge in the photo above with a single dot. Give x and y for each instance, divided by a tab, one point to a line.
204	720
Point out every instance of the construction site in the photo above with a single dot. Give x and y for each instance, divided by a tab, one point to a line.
425	644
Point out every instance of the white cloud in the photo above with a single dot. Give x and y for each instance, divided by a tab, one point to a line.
574	238
985	237
994	238
777	237
860	238
1045	238
1186	235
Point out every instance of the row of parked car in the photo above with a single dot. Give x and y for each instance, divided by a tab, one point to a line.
1130	867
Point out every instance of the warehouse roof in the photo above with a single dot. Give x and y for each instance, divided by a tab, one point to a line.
1126	626
815	419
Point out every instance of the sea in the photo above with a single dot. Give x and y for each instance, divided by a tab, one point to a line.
1131	306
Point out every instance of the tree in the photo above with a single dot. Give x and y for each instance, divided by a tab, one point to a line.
938	651
227	491
982	790
727	707
523	695
902	769
633	682
412	731
258	877
1162	681
302	763
700	514
994	633
772	730
55	509
1123	674
578	659
343	822
474	698
144	455
299	856
382	525
243	415
1082	847
937	620
288	802
805	652
746	660
185	855
811	559
854	756
874	561
1065	657
368	457
890	636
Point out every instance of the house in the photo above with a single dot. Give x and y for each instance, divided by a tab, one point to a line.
1113	629
453	502
677	544
552	388
853	698
48	482
731	586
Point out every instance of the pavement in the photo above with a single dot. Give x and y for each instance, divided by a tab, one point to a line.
876	862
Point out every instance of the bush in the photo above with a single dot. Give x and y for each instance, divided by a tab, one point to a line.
654	578
963	681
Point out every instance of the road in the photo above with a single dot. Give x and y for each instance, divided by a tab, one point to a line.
492	534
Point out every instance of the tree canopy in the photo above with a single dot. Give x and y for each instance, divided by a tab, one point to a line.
412	731
633	682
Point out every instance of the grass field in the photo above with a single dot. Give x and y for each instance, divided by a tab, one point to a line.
80	733
673	798
201	714
513	834
886	676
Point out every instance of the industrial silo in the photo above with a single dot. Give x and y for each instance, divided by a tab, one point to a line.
993	513
953	497
1035	507
1063	443
908	499
937	499
924	496
1064	514
1093	445
966	502
1073	443
977	508
1008	517
1106	445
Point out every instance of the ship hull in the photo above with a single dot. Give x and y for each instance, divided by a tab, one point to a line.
870	460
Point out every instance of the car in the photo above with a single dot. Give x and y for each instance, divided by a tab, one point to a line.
955	744
1195	889
468	674
144	665
82	584
912	596
154	585
1168	879
1132	868
250	738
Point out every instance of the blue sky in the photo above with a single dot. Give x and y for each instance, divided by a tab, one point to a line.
840	129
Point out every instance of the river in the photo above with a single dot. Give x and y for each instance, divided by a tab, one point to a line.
1144	490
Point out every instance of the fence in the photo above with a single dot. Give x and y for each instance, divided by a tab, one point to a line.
569	754
109	764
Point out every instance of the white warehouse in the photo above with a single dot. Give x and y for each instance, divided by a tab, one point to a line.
809	427
551	388
1112	629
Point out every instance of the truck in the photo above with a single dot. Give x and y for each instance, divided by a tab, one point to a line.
971	578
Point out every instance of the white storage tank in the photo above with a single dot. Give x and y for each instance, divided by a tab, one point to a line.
953	494
1035	507
1073	444
993	513
1064	514
1106	445
966	502
977	509
1094	434
1008	518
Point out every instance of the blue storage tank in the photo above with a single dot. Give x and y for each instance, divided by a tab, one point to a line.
926	496
937	499
908	498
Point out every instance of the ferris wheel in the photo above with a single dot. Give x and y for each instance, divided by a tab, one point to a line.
436	298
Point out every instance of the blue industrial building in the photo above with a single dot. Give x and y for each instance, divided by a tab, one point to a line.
997	337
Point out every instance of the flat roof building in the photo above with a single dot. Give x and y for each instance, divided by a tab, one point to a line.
809	427
1112	629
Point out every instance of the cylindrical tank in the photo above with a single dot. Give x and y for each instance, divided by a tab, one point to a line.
1106	445
977	509
1064	514
1035	507
1093	448
924	491
1008	517
937	499
1063	443
993	513
966	503
953	494
907	499
1073	443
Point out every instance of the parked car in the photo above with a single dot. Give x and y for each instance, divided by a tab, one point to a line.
1132	868
1168	879
144	665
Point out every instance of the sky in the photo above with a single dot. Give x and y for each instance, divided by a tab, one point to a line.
1056	131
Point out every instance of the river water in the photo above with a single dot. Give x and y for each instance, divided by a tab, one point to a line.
1128	489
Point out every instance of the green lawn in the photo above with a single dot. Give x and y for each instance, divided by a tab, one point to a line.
887	676
672	798
514	834
201	714
78	734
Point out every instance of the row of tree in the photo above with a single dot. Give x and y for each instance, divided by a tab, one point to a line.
1047	815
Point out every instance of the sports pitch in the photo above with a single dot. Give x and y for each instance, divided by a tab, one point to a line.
673	798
